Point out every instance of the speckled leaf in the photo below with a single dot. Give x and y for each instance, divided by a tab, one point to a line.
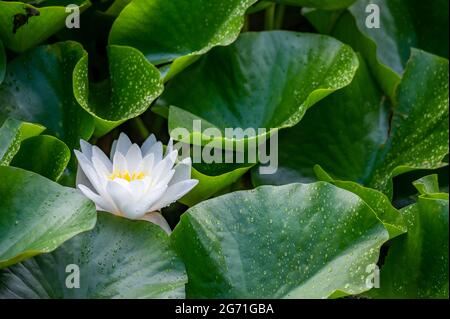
264	80
320	4
292	241
37	215
166	30
404	24
350	136
417	263
12	133
36	28
380	203
38	89
44	154
133	84
120	258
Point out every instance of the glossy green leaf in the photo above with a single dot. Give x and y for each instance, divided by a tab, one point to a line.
320	4
417	263
213	181
351	136
380	203
166	30
12	133
44	154
38	89
404	24
34	29
132	86
37	215
264	80
120	258
292	241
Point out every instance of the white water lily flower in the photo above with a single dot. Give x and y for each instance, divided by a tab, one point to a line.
135	182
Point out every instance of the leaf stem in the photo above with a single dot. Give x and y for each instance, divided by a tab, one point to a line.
279	16
270	17
262	5
141	128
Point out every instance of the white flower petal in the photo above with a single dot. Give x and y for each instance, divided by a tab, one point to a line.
169	147
100	202
86	149
98	153
123	144
163	167
149	142
119	162
182	171
113	150
139	188
88	170
157	151
137	209
82	179
120	195
133	158
158	219
147	163
102	171
165	180
174	193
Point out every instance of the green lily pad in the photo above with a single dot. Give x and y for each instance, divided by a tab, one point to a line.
37	215
292	241
44	154
120	258
166	30
132	86
31	29
319	4
417	263
264	80
404	24
12	133
38	89
351	136
213	180
380	203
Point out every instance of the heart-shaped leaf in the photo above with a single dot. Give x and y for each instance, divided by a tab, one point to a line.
133	84
351	136
38	89
22	26
417	263
120	258
166	30
37	215
292	241
264	80
320	4
44	154
12	133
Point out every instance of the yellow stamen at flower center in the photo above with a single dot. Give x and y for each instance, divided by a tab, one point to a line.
127	176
